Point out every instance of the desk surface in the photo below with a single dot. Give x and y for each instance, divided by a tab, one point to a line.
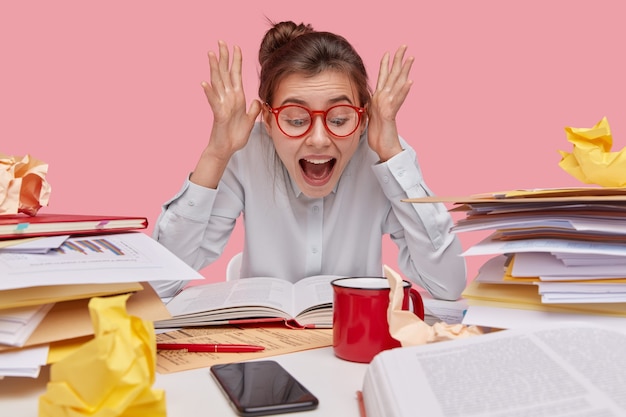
195	393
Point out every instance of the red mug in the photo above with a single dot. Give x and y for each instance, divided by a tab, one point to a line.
360	327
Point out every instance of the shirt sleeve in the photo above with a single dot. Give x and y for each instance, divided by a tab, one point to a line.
429	254
182	228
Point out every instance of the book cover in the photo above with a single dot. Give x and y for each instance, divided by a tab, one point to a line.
45	224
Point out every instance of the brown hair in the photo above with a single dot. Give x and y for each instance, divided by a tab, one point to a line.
289	48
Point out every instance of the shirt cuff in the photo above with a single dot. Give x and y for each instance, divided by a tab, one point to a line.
400	175
194	202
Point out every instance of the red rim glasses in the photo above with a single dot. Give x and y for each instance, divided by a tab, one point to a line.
296	121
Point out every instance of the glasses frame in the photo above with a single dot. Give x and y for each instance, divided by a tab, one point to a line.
312	113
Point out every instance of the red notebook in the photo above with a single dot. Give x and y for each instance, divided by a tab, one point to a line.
20	225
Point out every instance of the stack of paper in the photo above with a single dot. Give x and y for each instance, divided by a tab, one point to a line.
560	252
48	280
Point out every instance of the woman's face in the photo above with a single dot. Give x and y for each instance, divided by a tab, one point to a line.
316	160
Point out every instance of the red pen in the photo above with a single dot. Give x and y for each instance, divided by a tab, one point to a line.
209	347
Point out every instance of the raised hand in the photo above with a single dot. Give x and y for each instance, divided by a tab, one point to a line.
392	87
232	124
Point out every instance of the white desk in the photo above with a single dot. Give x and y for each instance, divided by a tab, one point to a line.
195	393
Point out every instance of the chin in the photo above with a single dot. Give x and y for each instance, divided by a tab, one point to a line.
317	191
316	194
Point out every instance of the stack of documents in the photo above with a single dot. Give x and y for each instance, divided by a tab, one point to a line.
555	253
48	280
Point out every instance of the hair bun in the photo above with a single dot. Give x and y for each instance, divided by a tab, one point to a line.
279	35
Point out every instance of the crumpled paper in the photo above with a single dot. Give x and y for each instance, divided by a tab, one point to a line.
591	160
410	330
23	185
112	374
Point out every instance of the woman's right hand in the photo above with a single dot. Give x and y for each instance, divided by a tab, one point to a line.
232	124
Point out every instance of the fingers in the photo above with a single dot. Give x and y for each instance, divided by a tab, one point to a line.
223	62
398	75
401	65
224	75
235	73
383	71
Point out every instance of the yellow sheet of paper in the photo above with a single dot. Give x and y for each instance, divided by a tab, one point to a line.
112	374
12	242
508	277
527	297
31	296
63	348
591	161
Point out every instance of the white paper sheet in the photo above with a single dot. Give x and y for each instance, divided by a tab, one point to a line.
513	318
17	324
489	246
24	362
545	265
109	258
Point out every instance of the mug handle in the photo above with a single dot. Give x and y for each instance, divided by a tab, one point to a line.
417	303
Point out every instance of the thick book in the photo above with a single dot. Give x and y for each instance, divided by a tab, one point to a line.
560	370
44	224
304	304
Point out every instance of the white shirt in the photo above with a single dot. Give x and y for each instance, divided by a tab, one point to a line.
291	236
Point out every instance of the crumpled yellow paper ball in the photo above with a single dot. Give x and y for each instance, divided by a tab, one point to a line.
23	185
112	374
591	160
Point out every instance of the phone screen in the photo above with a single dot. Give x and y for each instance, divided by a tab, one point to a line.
262	387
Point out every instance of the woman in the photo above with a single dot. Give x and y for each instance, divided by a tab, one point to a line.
319	179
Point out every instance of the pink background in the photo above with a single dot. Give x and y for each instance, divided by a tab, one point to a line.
108	93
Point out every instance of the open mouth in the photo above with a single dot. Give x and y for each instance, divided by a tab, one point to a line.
317	171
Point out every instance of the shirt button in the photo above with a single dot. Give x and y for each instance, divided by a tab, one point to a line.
191	203
314	250
316	209
386	179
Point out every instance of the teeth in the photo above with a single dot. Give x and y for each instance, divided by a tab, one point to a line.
318	161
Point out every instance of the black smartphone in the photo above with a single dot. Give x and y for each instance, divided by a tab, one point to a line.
262	388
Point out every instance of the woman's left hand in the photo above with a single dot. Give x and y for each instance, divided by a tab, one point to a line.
392	87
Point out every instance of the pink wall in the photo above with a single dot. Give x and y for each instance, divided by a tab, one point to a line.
108	93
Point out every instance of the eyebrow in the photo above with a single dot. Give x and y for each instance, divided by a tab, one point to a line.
303	103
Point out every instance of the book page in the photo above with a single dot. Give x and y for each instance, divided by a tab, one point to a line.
313	291
557	372
270	292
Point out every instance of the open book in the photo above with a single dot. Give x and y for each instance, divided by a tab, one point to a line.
558	371
307	303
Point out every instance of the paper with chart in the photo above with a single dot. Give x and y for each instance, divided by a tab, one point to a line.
110	258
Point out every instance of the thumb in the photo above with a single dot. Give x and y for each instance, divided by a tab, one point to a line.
254	109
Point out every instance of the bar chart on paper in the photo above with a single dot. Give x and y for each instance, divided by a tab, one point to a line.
78	253
90	246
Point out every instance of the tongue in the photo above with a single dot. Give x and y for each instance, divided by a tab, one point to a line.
316	171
